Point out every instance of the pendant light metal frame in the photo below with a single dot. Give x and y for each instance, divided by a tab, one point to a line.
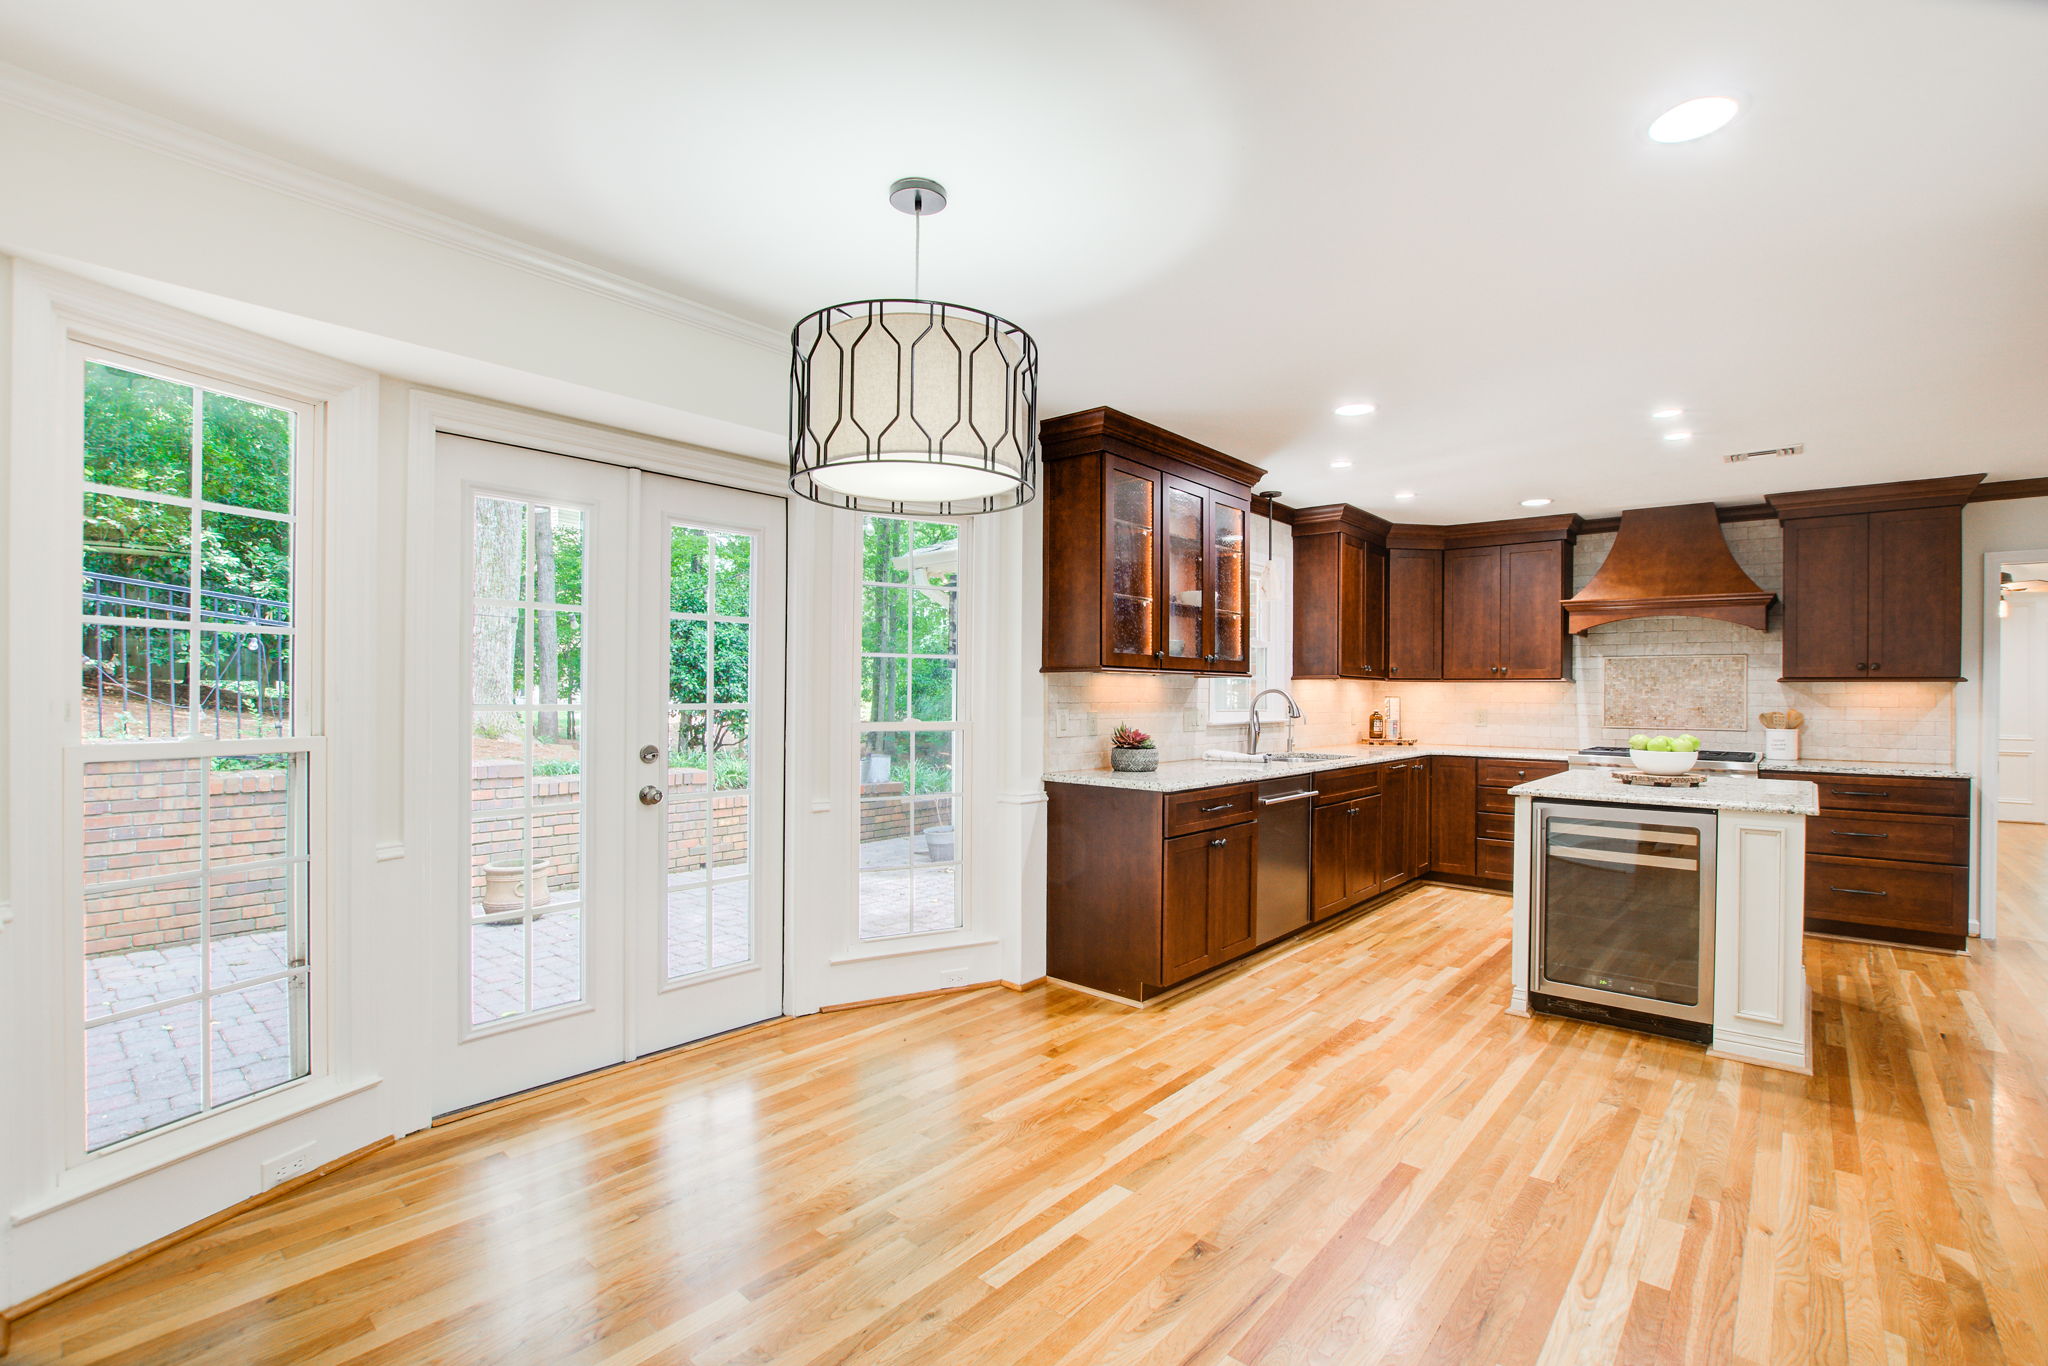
982	421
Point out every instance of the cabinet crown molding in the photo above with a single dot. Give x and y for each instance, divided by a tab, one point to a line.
1507	531
1335	517
1897	496
1094	429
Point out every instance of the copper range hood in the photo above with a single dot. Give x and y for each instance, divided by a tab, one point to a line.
1669	562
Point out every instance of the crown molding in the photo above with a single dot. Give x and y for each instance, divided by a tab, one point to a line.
40	95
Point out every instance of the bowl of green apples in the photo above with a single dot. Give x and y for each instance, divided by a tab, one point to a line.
1664	754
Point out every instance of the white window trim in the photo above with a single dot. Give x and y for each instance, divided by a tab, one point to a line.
56	318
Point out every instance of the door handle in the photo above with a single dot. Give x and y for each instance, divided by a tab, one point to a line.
650	795
1290	797
1217	844
1859	835
1857	891
1352	812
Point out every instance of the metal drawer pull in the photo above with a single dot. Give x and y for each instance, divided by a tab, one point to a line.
1845	792
1859	835
1290	797
1220	806
1217	844
1857	891
1352	812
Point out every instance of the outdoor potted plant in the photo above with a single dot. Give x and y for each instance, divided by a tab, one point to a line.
1132	751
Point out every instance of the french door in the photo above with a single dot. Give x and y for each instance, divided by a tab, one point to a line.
610	768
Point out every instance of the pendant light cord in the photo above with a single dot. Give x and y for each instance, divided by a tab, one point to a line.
917	249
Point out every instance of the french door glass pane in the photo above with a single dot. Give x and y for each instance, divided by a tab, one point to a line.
708	855
526	731
910	636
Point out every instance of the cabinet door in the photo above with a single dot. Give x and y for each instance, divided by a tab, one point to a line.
1472	612
1330	870
1916	594
1394	865
1418	817
1230	576
1362	609
1534	585
1184	517
1827	597
1207	911
1365	841
1453	813
1131	567
1415	613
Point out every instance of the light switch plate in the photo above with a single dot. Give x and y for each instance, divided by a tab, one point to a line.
1072	723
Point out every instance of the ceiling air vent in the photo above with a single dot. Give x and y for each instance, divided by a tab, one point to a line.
1758	455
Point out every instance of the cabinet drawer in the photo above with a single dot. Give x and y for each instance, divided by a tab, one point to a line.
1915	839
1496	825
1512	772
1497	859
1207	808
1885	895
1340	783
1495	801
1927	796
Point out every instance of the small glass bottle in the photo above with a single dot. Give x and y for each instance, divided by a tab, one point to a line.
1376	727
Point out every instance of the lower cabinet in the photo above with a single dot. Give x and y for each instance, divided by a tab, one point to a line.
1208	903
1493	848
1888	858
1405	851
1345	869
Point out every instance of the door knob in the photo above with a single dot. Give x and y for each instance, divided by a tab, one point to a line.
650	795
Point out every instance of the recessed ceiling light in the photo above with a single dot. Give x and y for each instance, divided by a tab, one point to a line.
1666	414
1693	119
1680	435
1353	409
1340	464
1535	502
1403	497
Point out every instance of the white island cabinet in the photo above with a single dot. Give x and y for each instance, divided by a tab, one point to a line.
1745	865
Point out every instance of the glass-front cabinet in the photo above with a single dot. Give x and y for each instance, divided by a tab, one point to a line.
1146	540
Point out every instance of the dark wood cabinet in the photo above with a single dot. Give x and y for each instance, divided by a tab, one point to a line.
1498	590
1453	814
1146	555
1874	580
1888	858
1493	848
1404	848
1340	593
1347	858
1208	903
1415	613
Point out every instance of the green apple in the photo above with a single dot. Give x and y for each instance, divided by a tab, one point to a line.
1638	742
1661	743
1689	743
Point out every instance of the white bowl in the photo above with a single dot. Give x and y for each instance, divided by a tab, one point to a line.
1664	761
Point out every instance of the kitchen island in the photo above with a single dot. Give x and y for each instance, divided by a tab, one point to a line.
1634	862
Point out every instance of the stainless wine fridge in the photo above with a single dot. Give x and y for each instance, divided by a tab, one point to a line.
1623	922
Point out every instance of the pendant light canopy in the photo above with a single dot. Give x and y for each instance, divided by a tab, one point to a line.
909	406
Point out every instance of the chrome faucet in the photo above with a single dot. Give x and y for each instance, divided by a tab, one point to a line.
1253	726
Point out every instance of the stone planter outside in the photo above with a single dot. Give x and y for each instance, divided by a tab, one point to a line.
505	885
1134	760
939	844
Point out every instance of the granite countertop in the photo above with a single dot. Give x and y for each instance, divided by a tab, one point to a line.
1851	766
1719	793
1185	775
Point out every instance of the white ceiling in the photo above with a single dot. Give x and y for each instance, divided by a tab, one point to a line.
1227	218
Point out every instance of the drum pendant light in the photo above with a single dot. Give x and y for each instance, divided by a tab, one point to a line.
911	406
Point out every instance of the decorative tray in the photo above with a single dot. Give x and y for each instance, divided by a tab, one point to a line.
1638	778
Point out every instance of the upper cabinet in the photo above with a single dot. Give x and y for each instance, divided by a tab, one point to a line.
1874	580
1146	549
1340	593
1501	586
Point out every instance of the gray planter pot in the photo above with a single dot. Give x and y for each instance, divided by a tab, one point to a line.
1134	760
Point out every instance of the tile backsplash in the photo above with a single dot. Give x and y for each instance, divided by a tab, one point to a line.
1875	721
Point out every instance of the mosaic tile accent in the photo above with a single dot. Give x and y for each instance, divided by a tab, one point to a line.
1682	692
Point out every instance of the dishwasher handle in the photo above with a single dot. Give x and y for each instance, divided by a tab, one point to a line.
1290	797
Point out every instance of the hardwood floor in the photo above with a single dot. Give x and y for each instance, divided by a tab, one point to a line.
1348	1154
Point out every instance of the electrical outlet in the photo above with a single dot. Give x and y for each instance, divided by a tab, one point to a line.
285	1166
1072	723
952	977
1191	718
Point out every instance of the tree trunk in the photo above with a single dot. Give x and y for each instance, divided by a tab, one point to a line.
546	727
495	638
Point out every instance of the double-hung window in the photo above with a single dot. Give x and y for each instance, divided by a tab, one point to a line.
912	748
194	771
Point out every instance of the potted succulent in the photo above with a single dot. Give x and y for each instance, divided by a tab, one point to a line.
1132	751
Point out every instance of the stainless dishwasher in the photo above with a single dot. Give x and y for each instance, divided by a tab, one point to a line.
1283	893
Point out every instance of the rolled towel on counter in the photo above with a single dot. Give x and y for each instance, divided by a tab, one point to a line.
1233	756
